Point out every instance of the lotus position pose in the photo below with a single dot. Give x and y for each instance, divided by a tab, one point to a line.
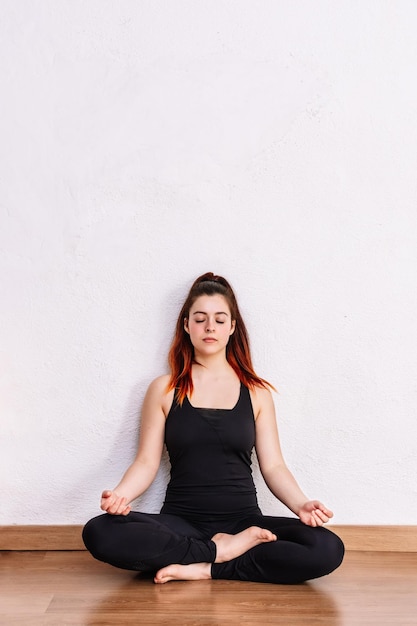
211	411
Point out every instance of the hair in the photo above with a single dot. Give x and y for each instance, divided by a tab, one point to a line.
181	354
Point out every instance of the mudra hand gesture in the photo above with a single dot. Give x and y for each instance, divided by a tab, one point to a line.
114	504
314	513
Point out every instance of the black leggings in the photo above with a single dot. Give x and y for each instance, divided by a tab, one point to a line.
147	542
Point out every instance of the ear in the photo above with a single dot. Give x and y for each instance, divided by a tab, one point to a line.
232	330
186	325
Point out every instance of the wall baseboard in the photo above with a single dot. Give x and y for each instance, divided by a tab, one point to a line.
360	538
378	538
41	537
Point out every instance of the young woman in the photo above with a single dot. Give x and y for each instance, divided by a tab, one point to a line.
211	411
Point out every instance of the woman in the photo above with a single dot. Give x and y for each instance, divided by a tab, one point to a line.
211	411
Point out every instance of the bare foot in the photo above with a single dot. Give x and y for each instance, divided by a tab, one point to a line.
231	546
195	571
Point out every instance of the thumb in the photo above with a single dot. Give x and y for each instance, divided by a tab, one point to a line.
106	494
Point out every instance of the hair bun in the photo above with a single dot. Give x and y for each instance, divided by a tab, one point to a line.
208	277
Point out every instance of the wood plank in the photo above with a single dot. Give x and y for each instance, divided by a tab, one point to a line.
374	538
24	604
370	589
31	537
378	538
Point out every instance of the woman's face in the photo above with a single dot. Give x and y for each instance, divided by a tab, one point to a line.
209	324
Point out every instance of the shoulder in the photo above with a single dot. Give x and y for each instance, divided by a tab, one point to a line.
158	393
159	384
261	400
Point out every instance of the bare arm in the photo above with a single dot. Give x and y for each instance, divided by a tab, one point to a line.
141	473
274	470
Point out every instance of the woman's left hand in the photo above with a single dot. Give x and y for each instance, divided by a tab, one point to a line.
314	513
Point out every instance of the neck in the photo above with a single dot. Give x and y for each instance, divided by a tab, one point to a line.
216	364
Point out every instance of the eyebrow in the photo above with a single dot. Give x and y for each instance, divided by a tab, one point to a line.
204	313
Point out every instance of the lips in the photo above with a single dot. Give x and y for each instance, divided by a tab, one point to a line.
209	340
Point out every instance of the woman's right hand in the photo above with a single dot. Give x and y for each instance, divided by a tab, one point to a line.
114	504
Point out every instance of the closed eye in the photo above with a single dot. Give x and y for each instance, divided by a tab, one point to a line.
202	321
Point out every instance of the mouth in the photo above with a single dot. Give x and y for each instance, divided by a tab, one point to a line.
209	340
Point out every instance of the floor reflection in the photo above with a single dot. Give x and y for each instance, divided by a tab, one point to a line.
215	602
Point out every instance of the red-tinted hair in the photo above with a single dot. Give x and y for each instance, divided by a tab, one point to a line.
181	354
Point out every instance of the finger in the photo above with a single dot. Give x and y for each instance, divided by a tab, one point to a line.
318	521
106	503
110	505
309	520
117	506
122	506
322	516
106	494
325	510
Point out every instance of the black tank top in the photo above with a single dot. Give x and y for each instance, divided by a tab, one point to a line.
210	453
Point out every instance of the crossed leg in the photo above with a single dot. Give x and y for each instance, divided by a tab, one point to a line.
228	547
302	553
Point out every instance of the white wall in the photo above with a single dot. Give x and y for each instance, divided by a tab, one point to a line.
143	143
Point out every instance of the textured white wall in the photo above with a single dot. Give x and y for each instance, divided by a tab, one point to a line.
143	143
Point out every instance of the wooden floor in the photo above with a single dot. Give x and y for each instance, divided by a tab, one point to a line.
64	588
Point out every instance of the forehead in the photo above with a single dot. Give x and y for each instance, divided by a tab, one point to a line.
211	304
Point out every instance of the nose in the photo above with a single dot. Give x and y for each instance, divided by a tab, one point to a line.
209	326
